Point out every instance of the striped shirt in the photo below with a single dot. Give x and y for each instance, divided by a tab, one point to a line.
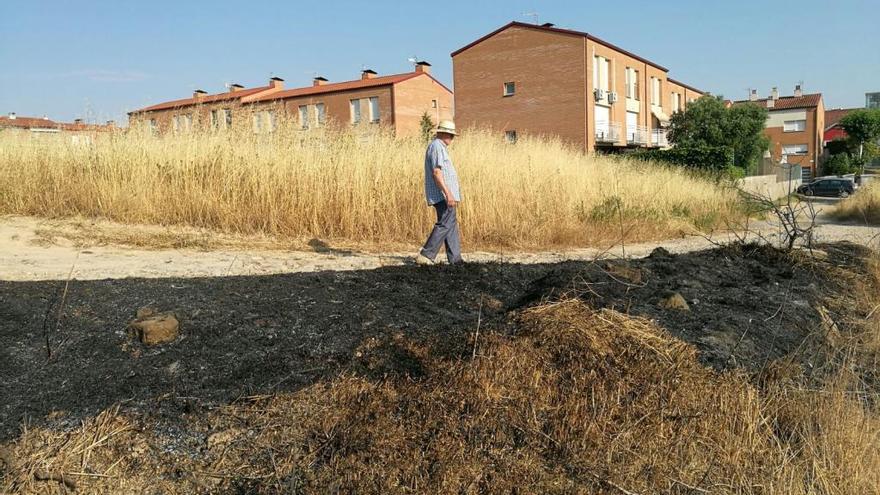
437	156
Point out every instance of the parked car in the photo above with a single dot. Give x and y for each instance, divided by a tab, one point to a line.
835	187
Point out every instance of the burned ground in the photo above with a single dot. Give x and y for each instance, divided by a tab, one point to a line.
247	336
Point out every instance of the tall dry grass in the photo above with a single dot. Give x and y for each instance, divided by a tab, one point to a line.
346	185
864	206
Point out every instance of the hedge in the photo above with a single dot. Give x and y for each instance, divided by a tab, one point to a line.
703	157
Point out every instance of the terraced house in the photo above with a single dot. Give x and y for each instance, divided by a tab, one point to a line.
795	126
543	80
396	102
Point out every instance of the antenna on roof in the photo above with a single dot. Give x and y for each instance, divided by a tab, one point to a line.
533	15
413	60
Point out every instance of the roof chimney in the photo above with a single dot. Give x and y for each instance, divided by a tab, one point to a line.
774	93
422	66
798	92
548	25
771	103
753	95
199	93
11	115
235	87
111	123
276	83
368	74
78	121
319	81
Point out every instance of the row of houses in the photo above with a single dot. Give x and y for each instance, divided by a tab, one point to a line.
44	125
521	79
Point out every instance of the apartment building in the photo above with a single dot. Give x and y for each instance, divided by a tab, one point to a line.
395	101
795	126
201	111
542	80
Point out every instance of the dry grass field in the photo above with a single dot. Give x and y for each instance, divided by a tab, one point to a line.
863	207
341	186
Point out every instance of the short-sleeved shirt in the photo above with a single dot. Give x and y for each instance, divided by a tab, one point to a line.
437	156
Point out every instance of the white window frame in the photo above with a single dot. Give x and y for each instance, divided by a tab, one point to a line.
258	122
656	91
510	136
355	109
320	114
227	117
433	103
187	122
794	125
508	89
375	110
303	112
175	123
801	149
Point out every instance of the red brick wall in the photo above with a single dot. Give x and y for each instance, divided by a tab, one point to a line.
413	97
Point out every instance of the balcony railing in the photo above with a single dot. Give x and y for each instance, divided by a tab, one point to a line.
637	135
658	138
607	132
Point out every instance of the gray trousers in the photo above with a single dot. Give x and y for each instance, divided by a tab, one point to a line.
445	232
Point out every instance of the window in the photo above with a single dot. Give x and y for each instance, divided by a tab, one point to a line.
228	114
509	88
600	73
175	123
656	92
433	103
632	83
215	119
258	123
510	136
188	122
374	109
270	120
632	127
794	125
795	149
355	111
676	102
154	126
320	114
304	116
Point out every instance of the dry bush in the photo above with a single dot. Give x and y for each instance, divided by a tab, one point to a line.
578	401
863	207
349	186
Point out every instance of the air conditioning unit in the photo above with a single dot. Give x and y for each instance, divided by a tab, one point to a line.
599	93
612	96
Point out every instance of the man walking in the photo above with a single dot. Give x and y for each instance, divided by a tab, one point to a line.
442	192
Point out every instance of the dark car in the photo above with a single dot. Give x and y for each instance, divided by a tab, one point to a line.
837	188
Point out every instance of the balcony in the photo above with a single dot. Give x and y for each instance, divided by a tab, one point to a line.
658	138
607	132
637	135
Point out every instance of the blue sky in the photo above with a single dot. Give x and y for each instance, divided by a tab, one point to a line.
99	59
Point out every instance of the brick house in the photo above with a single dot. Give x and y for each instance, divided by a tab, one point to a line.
44	125
833	130
795	126
541	80
396	101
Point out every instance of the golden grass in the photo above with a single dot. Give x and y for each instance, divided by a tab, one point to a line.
357	188
863	207
579	401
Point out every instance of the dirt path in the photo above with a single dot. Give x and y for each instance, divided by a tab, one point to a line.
25	254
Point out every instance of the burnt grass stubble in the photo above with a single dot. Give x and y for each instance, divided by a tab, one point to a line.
251	335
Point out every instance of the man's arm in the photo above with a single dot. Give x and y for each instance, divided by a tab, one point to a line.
441	184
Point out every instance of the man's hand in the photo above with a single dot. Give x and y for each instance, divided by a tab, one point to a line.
450	201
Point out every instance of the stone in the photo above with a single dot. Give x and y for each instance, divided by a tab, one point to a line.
675	301
145	312
155	330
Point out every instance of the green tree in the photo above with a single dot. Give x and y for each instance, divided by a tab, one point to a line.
708	123
863	130
427	127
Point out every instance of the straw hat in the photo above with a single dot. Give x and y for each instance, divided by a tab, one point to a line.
447	127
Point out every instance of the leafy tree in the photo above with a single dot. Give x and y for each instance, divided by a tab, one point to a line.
427	127
863	130
708	123
840	164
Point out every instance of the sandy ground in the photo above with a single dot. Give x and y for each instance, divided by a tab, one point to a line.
26	254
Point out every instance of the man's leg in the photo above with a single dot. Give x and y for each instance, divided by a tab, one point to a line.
438	234
453	240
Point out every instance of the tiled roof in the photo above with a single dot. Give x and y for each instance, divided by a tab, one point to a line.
833	116
787	102
343	86
28	122
552	29
229	95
